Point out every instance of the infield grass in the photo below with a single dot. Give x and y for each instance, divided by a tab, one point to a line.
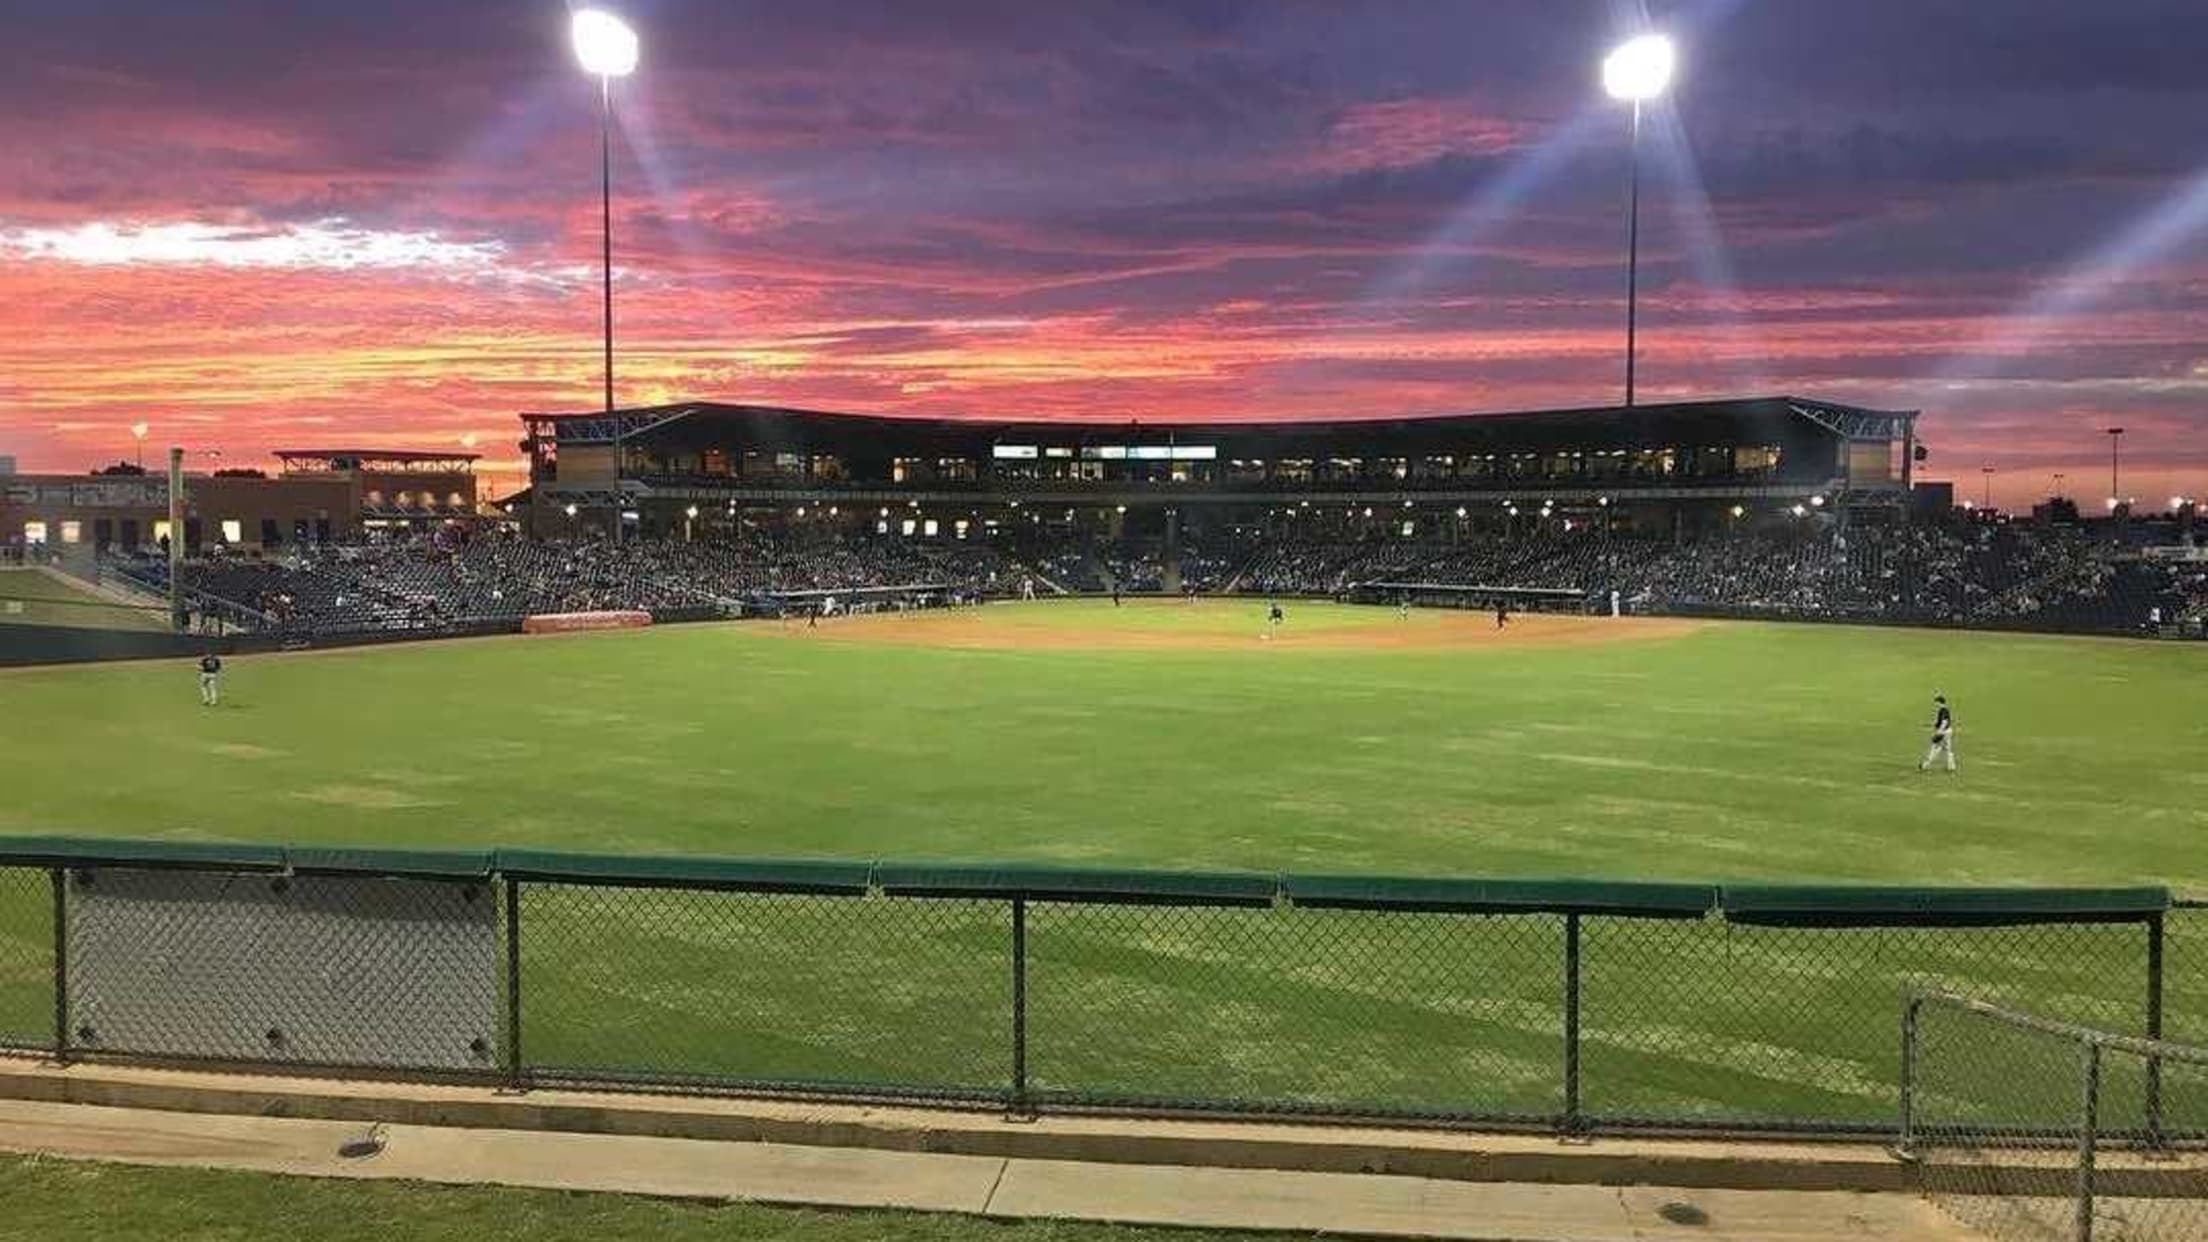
1722	752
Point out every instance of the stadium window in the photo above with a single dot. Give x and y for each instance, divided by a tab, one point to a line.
881	526
72	532
34	532
233	531
270	534
960	527
160	530
930	528
910	526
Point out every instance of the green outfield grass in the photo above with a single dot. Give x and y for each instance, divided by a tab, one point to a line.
28	597
1739	751
1730	752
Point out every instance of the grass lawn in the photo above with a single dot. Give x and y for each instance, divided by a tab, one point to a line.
83	1202
28	597
1716	752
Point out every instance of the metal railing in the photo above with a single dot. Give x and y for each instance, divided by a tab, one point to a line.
2033	1130
1572	1007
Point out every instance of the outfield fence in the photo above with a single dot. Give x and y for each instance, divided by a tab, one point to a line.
2031	1130
1566	1006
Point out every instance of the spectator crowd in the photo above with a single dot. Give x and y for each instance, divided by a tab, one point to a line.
1967	574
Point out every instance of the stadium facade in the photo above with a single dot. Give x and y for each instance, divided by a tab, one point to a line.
319	496
686	468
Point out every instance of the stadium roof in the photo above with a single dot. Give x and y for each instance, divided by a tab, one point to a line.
1621	424
368	454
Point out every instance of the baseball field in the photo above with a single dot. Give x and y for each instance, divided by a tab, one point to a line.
1176	735
1166	734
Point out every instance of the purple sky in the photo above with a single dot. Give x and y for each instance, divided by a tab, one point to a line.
265	223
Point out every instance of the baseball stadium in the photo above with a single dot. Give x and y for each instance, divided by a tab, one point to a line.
1105	668
1559	772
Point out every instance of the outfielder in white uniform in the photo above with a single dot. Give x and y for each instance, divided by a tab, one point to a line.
1943	737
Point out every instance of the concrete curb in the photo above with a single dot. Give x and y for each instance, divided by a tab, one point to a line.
1437	1155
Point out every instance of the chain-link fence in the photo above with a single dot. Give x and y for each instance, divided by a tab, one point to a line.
26	958
2033	1130
1574	1007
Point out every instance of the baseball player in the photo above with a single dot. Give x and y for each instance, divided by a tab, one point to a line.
1273	617
210	675
1943	736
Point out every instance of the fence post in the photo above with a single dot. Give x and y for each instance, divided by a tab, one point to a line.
1573	1122
514	1074
1905	1143
2088	1128
2154	1031
58	878
1018	1102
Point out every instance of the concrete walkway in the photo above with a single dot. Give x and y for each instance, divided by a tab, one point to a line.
1337	1203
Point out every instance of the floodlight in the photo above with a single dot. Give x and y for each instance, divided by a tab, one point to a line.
1639	69
604	44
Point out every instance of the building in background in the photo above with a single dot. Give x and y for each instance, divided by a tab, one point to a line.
692	469
320	496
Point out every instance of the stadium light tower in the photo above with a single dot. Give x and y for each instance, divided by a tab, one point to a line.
1637	71
2115	467
138	432
606	46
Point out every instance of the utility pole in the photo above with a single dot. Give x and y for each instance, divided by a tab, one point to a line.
176	538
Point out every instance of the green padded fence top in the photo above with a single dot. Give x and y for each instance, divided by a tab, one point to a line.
1780	905
1802	905
742	874
126	852
1369	892
1207	888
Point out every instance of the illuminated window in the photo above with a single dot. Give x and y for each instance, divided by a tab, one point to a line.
72	532
910	526
233	531
930	528
160	529
960	527
34	532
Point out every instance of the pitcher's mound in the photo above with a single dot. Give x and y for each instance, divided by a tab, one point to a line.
1226	625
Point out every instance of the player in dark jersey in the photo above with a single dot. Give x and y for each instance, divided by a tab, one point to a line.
1273	617
1943	736
210	674
1502	615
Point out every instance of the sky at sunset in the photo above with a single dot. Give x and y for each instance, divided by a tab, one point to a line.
283	223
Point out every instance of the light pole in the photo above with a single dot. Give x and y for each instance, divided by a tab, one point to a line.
1986	497
605	46
2115	468
2059	477
1637	71
138	432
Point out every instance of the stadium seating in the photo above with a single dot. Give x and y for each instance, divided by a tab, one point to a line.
2004	576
